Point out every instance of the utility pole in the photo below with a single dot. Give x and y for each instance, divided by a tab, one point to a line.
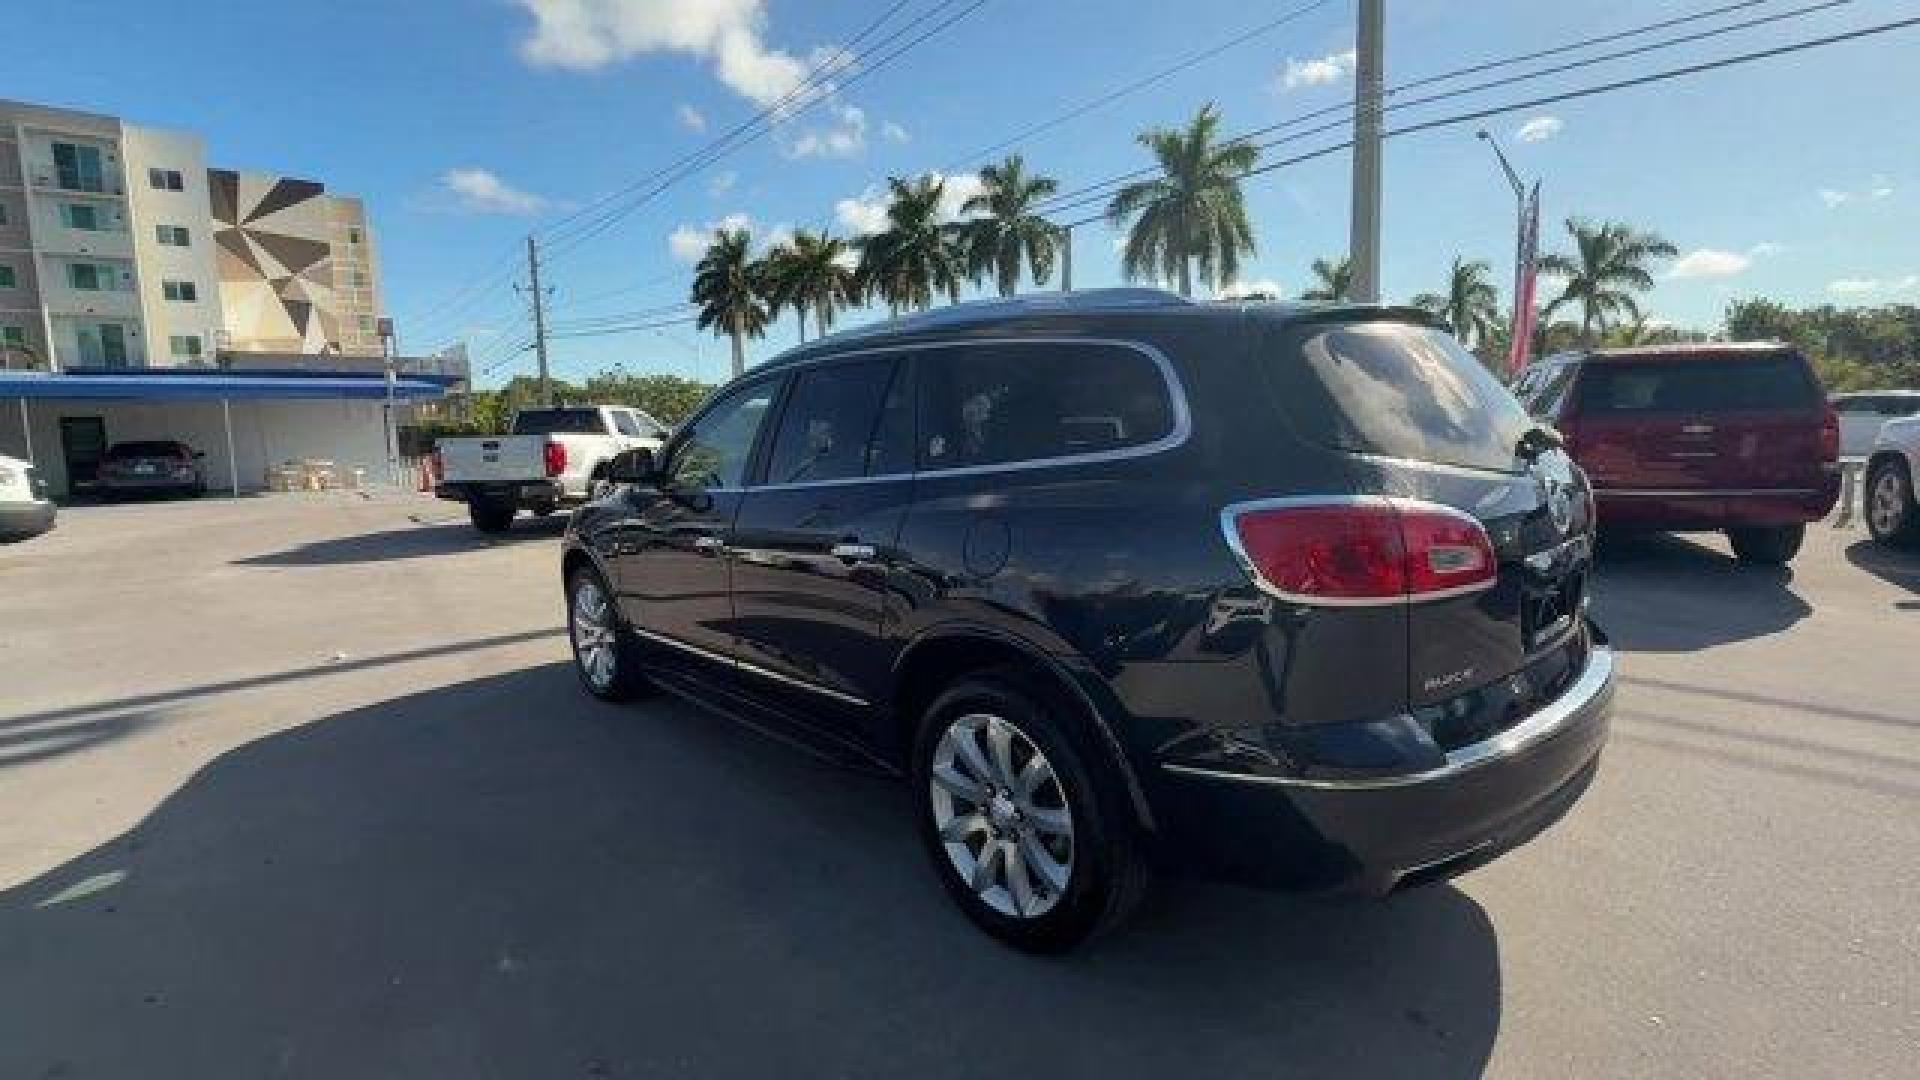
1066	258
539	321
1370	55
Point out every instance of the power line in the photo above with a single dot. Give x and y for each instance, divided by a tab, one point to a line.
1142	83
629	328
1089	193
1583	92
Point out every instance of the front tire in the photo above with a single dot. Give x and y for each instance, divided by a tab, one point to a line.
1769	546
1035	847
1893	515
603	652
491	515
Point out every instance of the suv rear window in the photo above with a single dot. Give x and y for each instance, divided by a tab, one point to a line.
1397	390
144	450
990	404
1716	384
558	421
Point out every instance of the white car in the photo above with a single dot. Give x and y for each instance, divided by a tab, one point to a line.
1893	516
25	509
554	458
1862	412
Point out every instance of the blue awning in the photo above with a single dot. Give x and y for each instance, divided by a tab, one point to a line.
210	386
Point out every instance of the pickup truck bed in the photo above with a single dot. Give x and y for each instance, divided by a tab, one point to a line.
554	458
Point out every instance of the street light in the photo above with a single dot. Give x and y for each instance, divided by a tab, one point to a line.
1526	241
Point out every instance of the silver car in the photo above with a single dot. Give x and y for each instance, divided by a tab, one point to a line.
161	466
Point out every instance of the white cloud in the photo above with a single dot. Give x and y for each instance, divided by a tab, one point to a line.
845	137
1854	286
1319	71
959	189
1878	189
686	243
729	34
863	214
479	191
1263	286
1539	129
691	118
1709	263
722	182
893	132
1766	249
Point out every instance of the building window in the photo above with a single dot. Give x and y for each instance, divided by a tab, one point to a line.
77	168
183	291
3	213
171	235
80	216
353	236
359	279
7	278
90	277
366	324
185	346
166	179
13	337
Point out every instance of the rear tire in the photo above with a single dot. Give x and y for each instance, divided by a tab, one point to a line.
1893	515
1774	546
604	654
491	515
1071	822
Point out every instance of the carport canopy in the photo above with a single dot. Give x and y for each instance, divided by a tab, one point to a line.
225	387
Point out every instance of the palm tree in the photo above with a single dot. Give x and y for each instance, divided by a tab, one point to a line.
1610	263
815	278
1470	306
1334	279
1193	211
917	254
728	286
1006	229
779	283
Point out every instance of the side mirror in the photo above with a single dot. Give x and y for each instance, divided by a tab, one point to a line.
633	466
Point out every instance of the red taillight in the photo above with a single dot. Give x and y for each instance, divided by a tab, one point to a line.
436	466
556	458
1830	435
1372	550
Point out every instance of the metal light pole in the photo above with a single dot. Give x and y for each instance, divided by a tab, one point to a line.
387	351
1066	258
1364	246
1525	216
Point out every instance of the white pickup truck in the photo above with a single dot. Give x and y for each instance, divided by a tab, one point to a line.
554	457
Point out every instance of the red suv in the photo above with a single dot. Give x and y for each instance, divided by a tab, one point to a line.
1733	437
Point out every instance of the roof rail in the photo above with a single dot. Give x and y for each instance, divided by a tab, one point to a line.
1013	307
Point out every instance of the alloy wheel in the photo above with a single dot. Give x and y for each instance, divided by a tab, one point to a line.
1002	815
595	643
1887	501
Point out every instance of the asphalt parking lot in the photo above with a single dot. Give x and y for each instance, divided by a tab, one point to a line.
302	786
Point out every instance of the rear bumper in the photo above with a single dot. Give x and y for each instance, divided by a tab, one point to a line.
156	482
523	493
1374	834
19	520
1716	508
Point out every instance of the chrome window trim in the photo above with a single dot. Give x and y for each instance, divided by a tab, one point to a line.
1699	493
1177	434
755	669
1233	510
1592	685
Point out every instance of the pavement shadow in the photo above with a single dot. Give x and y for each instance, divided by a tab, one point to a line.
1895	567
418	542
504	878
1657	592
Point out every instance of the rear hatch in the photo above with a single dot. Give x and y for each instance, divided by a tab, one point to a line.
1699	420
1414	417
493	459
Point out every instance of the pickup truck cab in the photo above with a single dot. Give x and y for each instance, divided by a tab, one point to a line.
554	457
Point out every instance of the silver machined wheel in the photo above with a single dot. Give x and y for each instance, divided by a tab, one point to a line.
595	644
1002	815
1887	501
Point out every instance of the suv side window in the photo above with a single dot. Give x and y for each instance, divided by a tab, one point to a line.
829	422
624	423
1000	402
714	451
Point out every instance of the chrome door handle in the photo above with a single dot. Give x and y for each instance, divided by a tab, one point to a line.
852	552
708	545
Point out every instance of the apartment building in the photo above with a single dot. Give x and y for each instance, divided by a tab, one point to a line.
120	248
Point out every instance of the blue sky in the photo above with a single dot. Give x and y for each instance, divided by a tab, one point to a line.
468	123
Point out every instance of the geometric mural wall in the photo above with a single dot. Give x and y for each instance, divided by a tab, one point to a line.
273	246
